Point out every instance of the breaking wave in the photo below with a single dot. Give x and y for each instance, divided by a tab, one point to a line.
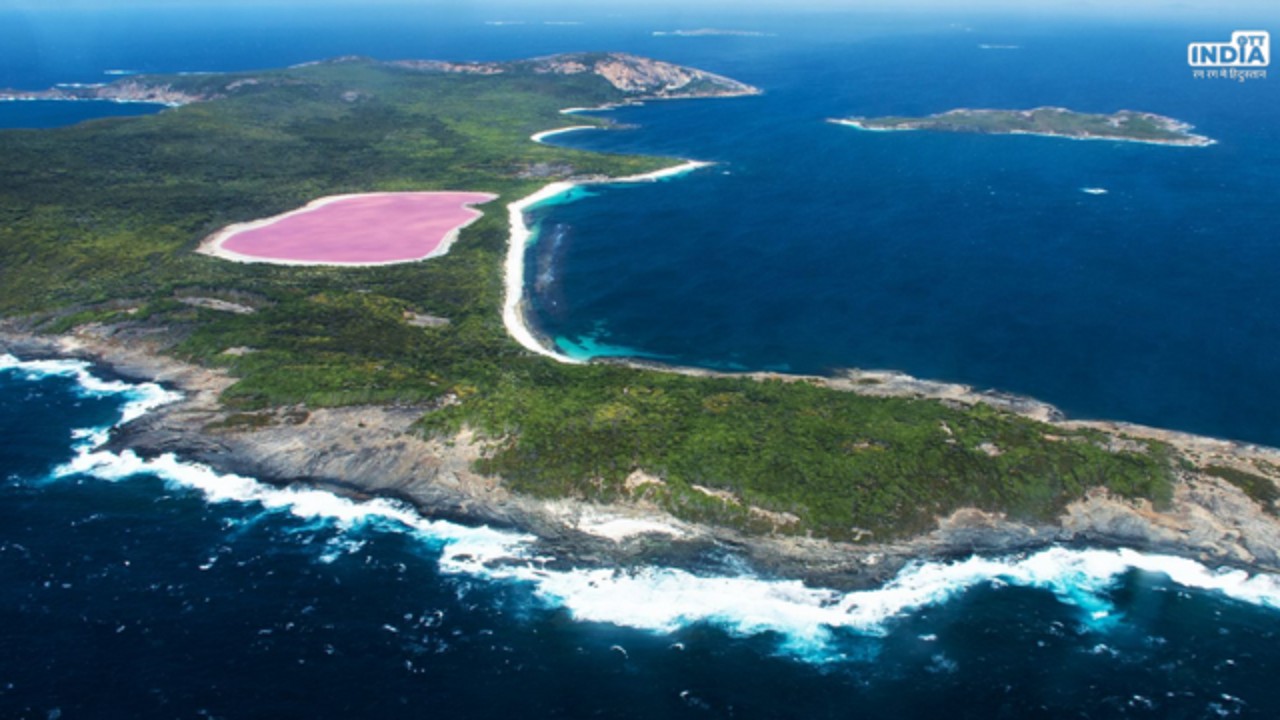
808	620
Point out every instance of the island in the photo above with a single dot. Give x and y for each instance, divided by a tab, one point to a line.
1125	125
711	32
404	380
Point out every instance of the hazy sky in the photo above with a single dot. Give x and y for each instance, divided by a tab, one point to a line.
1224	9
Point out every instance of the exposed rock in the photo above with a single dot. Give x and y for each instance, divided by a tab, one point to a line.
424	321
639	479
642	76
216	304
639	77
777	519
132	90
472	68
723	496
542	171
365	451
631	74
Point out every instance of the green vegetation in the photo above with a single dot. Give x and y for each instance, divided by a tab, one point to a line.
97	224
845	464
1263	490
1123	125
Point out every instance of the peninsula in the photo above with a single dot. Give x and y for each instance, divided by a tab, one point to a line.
1125	125
402	379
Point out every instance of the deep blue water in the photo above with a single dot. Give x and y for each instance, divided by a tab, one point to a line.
133	588
977	259
138	588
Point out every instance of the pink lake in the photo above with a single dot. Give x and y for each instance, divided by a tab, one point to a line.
366	229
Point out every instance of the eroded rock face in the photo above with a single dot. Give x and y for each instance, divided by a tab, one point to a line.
1207	518
123	91
633	75
636	75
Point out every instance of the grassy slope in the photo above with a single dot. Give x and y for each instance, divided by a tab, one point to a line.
97	223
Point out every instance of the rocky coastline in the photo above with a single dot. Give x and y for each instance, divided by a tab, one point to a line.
370	451
124	91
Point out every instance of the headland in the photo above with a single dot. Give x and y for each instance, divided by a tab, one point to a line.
403	380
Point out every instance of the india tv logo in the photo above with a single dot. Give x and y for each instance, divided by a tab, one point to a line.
1247	49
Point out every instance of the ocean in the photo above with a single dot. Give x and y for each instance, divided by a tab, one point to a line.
160	588
812	247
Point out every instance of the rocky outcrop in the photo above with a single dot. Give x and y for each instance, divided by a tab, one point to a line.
637	77
367	451
464	68
640	76
132	91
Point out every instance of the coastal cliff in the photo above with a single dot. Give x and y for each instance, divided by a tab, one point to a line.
375	451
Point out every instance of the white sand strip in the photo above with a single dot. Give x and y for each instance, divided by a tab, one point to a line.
539	137
513	277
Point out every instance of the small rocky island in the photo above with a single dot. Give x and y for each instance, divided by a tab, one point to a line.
1125	125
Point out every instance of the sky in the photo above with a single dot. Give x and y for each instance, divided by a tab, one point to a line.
1223	8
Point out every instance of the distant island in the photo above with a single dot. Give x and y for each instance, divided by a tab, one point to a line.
1125	125
711	32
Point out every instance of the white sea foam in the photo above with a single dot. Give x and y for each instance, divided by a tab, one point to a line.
478	545
663	600
140	398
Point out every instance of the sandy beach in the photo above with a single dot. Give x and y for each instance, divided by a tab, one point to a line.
513	269
539	137
356	230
